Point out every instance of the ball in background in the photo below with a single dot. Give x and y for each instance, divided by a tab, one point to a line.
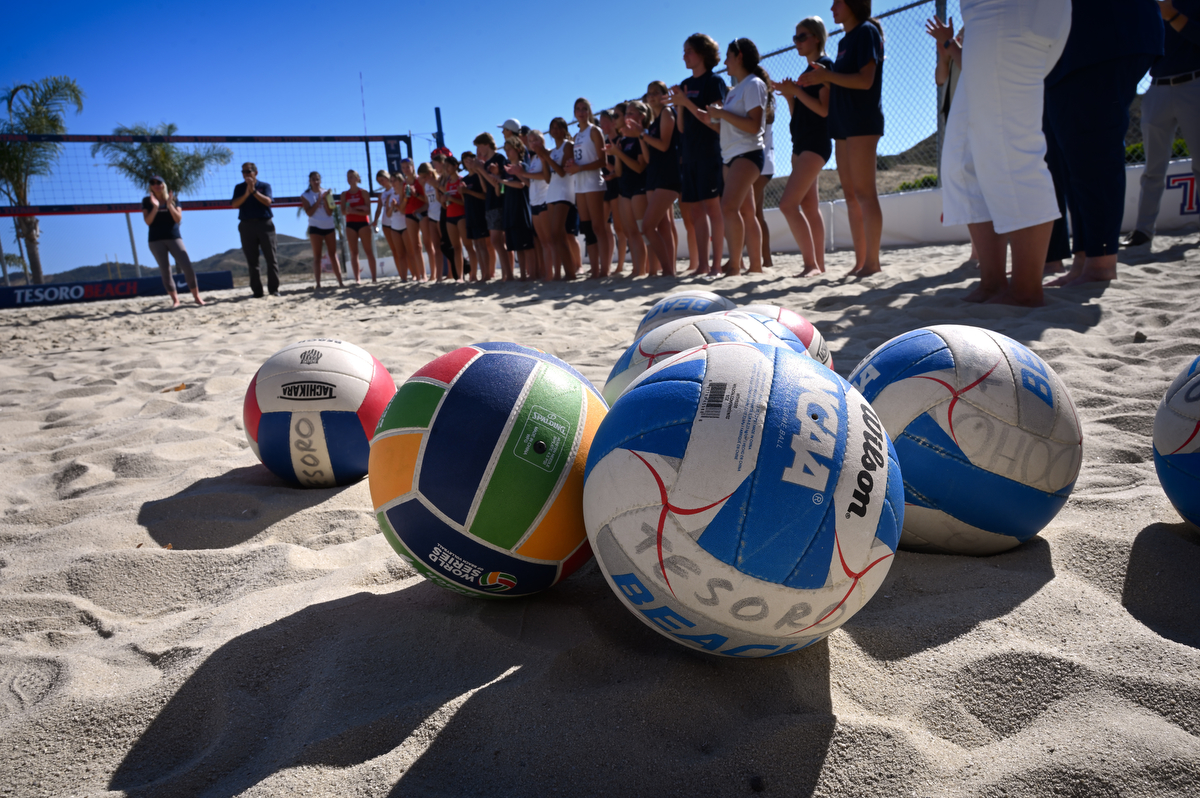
743	500
680	304
803	329
311	409
1177	442
477	469
986	432
675	336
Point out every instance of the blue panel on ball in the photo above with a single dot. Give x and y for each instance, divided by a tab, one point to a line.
459	558
504	346
347	444
1179	475
916	352
667	441
788	337
891	521
466	428
785	514
625	359
723	535
274	444
644	411
938	474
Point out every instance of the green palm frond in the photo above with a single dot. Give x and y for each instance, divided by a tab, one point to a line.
183	169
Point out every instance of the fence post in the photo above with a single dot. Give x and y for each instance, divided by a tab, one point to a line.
4	263
132	245
940	10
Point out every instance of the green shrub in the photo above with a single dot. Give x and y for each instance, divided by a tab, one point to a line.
928	181
1136	153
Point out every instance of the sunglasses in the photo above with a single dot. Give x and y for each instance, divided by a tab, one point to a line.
800	38
247	172
156	182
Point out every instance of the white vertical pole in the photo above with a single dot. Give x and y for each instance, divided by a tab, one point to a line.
129	223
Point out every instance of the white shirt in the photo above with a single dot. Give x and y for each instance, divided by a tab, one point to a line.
747	94
321	217
561	189
435	207
537	186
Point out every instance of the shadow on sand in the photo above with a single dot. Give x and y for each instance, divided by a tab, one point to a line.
1161	589
562	690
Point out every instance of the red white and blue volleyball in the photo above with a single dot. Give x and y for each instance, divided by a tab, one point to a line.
679	304
803	329
743	500
1177	442
986	432
311	410
691	331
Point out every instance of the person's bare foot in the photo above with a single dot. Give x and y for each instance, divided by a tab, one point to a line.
1092	276
811	270
196	297
1052	267
174	301
981	294
1007	297
867	271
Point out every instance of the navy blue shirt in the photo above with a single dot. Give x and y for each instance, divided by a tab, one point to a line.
252	208
1102	30
858	112
808	127
164	227
1181	55
700	140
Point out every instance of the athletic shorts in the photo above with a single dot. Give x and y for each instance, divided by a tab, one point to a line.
536	209
518	237
662	174
572	220
320	231
476	226
864	123
356	226
701	179
756	157
821	146
416	217
612	190
495	219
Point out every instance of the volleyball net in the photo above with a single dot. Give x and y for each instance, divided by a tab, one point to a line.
86	183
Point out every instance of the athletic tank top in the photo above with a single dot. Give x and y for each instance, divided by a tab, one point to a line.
585	153
537	187
561	189
356	195
435	207
385	215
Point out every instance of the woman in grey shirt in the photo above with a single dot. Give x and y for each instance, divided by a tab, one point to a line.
162	214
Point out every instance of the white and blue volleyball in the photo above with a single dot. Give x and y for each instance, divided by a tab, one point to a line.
1177	442
680	304
676	336
987	436
742	499
311	410
809	335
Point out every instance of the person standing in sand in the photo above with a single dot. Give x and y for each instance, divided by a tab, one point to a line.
356	210
317	204
856	123
811	148
256	226
995	178
161	212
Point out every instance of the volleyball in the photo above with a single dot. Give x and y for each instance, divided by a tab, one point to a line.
803	329
679	304
986	433
742	499
675	336
476	469
1177	443
311	409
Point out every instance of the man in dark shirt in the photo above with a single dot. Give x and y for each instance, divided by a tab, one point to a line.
252	198
490	167
1172	101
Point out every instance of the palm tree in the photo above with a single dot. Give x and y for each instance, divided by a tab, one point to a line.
33	109
183	170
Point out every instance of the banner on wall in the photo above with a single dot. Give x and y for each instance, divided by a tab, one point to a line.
96	290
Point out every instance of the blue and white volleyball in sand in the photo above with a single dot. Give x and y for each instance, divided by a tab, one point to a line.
1177	442
809	335
679	304
986	433
742	499
676	336
311	410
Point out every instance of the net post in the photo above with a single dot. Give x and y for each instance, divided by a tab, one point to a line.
4	264
137	269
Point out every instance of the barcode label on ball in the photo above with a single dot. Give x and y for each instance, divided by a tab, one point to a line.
714	400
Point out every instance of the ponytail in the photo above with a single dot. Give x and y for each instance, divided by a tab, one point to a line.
751	63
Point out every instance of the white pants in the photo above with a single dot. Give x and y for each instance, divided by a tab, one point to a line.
993	158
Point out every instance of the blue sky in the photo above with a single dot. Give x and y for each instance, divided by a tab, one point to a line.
293	69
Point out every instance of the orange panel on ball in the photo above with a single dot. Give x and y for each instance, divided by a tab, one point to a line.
390	468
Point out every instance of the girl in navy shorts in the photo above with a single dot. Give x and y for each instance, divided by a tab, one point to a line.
856	123
630	167
811	148
660	143
610	121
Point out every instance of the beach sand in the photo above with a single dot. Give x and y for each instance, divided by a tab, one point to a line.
174	620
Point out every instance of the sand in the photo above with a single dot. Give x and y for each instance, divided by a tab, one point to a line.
176	621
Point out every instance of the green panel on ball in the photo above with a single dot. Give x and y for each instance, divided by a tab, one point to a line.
411	407
538	448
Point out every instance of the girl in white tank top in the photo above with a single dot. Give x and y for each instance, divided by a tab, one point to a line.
585	153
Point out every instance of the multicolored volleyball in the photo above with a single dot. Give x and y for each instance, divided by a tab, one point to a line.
679	304
477	469
675	336
743	500
1177	443
812	339
986	433
311	410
